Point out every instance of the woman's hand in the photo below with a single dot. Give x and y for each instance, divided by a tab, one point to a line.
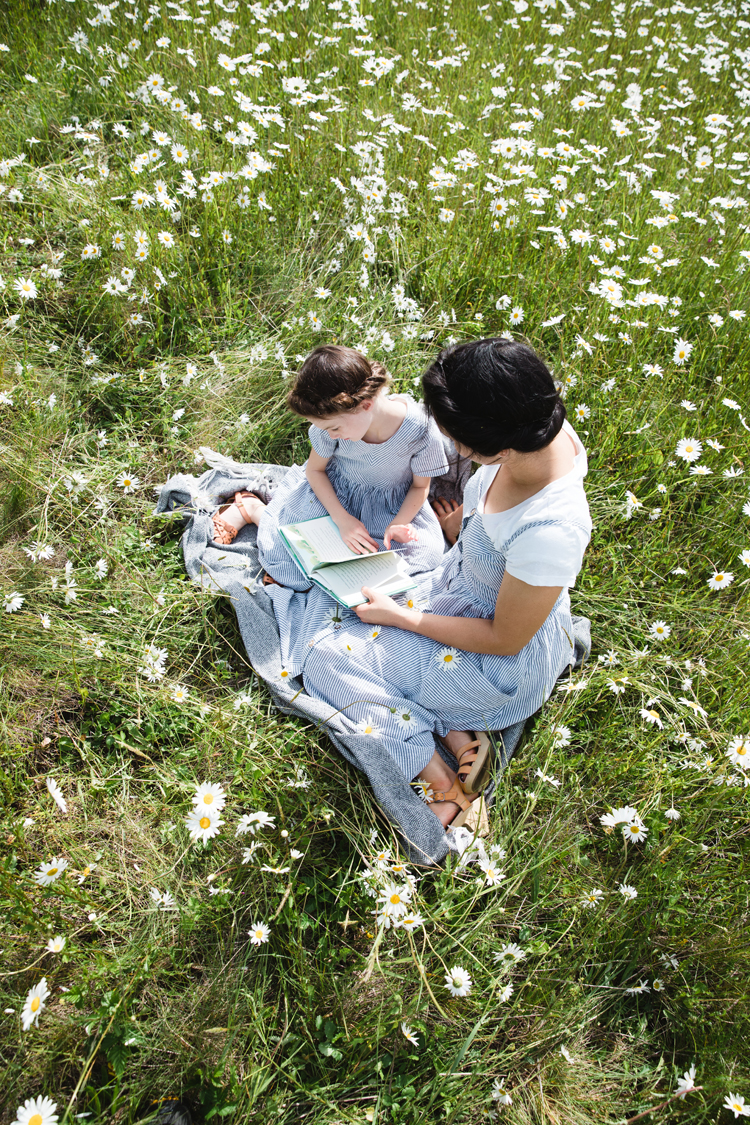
379	609
450	515
401	533
355	535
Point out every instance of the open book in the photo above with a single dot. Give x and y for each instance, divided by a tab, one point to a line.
321	553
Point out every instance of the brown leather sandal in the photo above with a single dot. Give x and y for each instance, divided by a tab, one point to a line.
474	757
460	797
225	533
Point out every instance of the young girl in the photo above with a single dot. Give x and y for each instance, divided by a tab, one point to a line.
369	469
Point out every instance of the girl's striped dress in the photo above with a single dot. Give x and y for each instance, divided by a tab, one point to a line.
405	687
371	481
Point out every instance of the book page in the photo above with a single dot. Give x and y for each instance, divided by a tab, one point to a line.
346	580
324	538
306	558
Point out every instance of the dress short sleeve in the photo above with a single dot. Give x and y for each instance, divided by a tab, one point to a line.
547	554
323	444
430	459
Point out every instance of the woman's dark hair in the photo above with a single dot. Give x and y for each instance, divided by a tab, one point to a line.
334	379
494	394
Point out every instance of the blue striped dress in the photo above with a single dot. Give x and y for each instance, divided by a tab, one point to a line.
371	481
400	685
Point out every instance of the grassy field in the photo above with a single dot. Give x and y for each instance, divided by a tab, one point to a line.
192	195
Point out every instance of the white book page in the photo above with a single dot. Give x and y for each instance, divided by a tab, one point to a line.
346	580
325	539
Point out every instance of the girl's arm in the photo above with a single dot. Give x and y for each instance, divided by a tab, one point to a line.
398	528
353	532
520	611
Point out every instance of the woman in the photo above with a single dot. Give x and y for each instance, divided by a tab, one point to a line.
488	632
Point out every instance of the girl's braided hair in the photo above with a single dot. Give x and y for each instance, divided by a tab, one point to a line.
333	380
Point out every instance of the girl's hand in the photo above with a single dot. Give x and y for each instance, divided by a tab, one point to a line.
356	536
401	533
379	609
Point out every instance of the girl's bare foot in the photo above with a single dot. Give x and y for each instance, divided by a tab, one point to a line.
250	512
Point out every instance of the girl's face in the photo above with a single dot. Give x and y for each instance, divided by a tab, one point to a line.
349	425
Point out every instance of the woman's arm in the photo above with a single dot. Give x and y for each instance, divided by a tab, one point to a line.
520	611
353	532
398	528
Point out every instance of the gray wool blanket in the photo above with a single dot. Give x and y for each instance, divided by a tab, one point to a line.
235	571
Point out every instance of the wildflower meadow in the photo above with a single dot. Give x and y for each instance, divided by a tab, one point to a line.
199	899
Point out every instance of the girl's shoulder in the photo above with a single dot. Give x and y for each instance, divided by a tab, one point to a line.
416	419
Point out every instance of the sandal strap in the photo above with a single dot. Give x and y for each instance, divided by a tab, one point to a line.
238	497
228	532
461	753
455	794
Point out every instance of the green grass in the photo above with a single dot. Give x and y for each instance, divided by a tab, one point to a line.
307	1027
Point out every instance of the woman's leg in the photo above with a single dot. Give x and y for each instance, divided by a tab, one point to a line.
440	778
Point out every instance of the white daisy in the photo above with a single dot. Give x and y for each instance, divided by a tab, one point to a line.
128	482
50	872
37	1111
719	580
410	921
689	449
203	825
259	933
367	726
407	1032
448	657
34	1004
56	794
56	944
458	981
209	797
250	822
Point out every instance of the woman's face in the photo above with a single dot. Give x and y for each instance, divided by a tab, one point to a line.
349	425
479	458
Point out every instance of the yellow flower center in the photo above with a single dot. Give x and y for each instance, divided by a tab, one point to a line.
208	799
719	577
395	899
205	822
52	871
634	828
284	674
368	730
35	1003
447	658
87	870
259	934
36	1119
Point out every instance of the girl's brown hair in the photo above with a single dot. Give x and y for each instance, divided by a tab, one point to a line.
334	379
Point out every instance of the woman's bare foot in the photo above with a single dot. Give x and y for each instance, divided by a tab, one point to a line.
441	779
449	515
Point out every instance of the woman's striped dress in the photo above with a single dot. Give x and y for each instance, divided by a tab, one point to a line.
406	687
